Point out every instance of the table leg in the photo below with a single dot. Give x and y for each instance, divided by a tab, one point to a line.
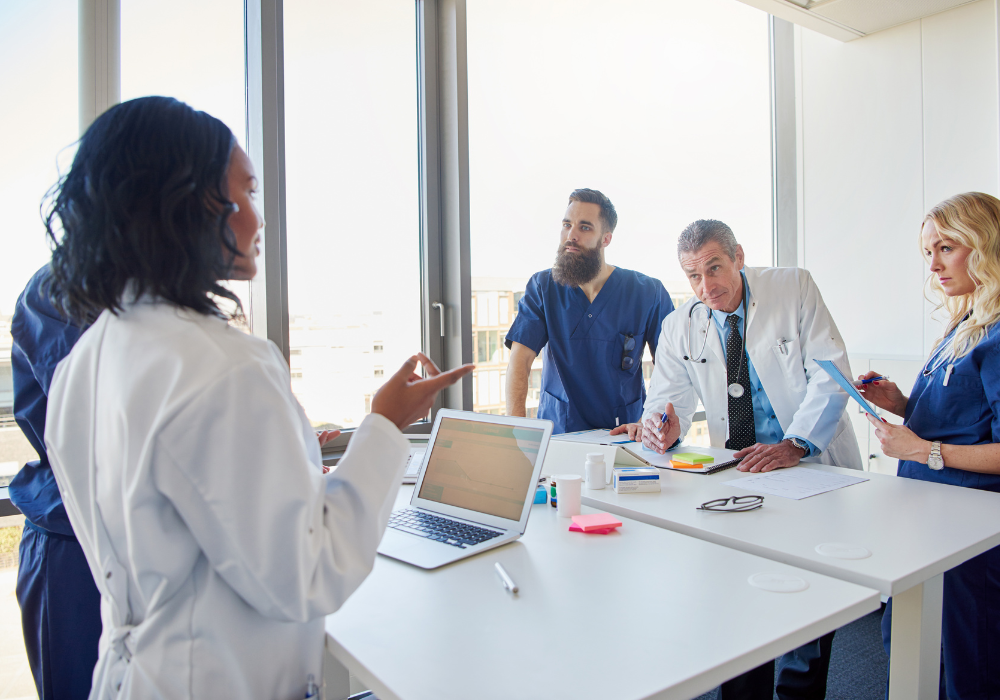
915	662
336	677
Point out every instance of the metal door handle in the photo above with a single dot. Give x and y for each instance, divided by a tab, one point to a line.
440	307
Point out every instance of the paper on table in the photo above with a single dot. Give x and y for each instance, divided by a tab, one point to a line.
413	463
796	483
594	437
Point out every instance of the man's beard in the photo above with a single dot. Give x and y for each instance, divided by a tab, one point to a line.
574	269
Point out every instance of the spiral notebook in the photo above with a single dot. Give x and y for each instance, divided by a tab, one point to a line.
652	459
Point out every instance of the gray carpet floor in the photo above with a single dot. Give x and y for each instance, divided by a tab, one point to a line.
858	664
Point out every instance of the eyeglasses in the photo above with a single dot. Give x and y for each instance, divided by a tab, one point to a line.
739	504
627	360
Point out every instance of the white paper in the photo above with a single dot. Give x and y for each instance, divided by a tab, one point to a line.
413	463
594	437
796	483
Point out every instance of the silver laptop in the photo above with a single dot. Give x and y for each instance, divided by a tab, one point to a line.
475	489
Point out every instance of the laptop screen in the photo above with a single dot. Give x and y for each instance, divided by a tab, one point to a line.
483	467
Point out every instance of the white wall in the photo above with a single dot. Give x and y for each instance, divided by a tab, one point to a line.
888	126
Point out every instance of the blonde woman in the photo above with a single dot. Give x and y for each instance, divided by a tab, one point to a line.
951	428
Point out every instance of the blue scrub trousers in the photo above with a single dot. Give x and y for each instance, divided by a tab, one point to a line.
60	613
801	675
970	630
802	672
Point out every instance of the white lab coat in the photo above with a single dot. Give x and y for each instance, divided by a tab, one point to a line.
783	303
193	481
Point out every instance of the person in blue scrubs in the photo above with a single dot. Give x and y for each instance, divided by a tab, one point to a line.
951	426
591	321
60	604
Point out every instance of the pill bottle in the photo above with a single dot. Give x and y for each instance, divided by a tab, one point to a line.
552	492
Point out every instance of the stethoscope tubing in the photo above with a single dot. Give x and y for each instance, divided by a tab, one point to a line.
708	327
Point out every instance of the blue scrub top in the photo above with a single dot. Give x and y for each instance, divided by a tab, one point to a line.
966	412
42	337
583	383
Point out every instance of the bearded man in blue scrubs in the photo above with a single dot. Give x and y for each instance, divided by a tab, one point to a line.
60	605
592	321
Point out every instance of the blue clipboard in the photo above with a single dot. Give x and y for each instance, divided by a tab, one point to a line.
847	385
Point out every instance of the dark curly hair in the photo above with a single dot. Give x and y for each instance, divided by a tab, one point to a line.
143	210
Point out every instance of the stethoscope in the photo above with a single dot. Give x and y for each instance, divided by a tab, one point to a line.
940	357
735	388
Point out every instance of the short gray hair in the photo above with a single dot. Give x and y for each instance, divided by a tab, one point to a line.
704	231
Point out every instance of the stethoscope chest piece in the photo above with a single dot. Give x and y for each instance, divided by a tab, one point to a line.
736	390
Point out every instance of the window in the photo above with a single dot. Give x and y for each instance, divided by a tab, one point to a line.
664	107
352	198
38	49
192	50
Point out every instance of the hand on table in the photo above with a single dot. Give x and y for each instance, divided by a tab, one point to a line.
884	394
660	439
899	442
407	397
764	458
634	431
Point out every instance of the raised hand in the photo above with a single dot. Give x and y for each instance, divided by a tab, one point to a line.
407	397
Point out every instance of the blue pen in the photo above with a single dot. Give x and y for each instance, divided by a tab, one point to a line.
862	382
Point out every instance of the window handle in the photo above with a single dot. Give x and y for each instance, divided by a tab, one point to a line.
440	307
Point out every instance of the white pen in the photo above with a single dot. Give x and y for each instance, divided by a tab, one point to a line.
505	579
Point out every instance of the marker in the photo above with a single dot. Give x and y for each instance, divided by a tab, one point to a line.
505	579
862	382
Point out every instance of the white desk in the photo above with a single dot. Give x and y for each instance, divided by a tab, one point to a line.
915	530
641	613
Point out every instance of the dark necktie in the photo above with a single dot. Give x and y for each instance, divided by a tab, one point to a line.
741	429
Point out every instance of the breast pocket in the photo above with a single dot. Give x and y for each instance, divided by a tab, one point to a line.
627	353
959	403
789	358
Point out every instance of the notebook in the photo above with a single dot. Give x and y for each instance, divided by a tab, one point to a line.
724	458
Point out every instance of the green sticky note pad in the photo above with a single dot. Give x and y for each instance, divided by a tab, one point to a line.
692	458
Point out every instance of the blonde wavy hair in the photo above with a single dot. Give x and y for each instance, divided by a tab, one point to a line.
971	219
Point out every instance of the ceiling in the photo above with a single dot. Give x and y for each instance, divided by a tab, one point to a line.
851	19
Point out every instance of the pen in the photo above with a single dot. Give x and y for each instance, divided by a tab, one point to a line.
505	579
862	382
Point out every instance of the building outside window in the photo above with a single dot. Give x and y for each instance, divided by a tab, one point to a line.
351	164
663	105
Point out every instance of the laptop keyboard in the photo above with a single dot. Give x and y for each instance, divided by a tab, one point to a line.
439	529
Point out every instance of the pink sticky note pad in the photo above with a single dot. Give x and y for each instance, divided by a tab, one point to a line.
600	531
596	521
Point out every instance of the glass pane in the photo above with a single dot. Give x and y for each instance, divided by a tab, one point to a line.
38	48
664	107
353	216
192	50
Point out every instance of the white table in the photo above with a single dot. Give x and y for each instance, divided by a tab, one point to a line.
915	530
641	613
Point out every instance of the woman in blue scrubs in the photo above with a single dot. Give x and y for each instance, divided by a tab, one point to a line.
951	428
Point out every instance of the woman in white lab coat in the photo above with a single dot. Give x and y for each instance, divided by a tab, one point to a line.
189	471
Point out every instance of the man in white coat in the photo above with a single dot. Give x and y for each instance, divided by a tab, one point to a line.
745	345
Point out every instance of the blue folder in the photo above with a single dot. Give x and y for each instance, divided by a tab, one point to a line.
847	385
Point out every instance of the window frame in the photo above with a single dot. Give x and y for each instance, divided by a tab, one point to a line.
443	172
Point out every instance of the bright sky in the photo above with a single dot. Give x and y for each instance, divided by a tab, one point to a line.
661	104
